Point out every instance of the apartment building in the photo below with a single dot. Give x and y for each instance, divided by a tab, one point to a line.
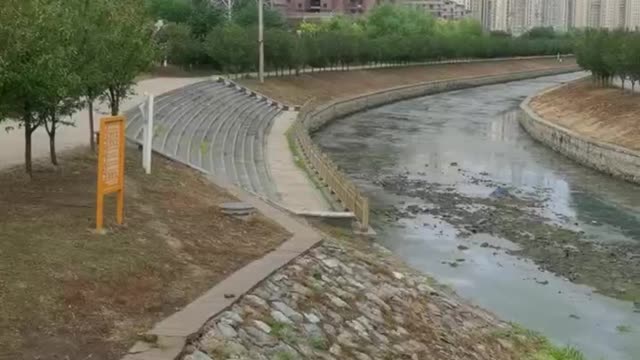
555	14
481	10
442	9
632	15
611	14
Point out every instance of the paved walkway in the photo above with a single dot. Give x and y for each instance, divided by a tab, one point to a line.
296	190
68	137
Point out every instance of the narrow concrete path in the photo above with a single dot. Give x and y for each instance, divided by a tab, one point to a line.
297	191
69	137
168	337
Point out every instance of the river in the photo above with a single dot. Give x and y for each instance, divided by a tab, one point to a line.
452	151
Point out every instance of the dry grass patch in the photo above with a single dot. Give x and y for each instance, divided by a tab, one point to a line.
606	114
67	292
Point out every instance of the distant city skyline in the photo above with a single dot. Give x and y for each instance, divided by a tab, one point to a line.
518	16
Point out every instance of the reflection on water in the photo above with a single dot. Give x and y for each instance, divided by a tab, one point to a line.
477	129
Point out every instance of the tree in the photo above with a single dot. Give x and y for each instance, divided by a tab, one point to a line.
93	54
232	47
615	58
177	11
500	34
245	14
389	33
37	55
540	32
279	49
129	49
178	45
204	17
590	51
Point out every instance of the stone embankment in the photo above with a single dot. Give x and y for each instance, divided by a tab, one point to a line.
337	302
593	126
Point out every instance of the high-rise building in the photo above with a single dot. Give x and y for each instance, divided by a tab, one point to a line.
593	17
442	9
500	15
611	16
555	14
632	15
533	13
516	11
579	13
481	11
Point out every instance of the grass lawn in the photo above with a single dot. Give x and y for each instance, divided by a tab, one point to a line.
68	293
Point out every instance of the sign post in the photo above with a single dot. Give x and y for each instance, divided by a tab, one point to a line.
147	145
110	167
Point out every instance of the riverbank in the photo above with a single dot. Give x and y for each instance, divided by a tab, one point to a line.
351	299
609	115
597	127
327	86
461	192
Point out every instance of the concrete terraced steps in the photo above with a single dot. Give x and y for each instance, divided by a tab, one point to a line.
215	127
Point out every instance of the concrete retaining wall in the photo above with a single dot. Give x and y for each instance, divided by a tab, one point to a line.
335	110
610	159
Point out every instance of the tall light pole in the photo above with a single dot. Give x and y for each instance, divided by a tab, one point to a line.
260	42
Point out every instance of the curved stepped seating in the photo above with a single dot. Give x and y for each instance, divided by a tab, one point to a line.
216	128
171	98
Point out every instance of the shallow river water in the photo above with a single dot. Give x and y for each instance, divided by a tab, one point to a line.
469	141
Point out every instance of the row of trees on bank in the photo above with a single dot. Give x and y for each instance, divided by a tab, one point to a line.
58	56
389	34
610	54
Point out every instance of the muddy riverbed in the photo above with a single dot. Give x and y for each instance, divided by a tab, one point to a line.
461	192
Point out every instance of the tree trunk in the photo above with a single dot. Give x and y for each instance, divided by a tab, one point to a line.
51	131
52	145
114	101
92	139
27	148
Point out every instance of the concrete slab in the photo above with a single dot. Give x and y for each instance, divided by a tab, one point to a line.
297	191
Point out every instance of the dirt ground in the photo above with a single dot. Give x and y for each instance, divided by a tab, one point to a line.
326	86
605	114
68	293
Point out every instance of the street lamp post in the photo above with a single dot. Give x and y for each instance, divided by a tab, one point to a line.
261	41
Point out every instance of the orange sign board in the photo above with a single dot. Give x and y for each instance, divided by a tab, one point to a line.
110	166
